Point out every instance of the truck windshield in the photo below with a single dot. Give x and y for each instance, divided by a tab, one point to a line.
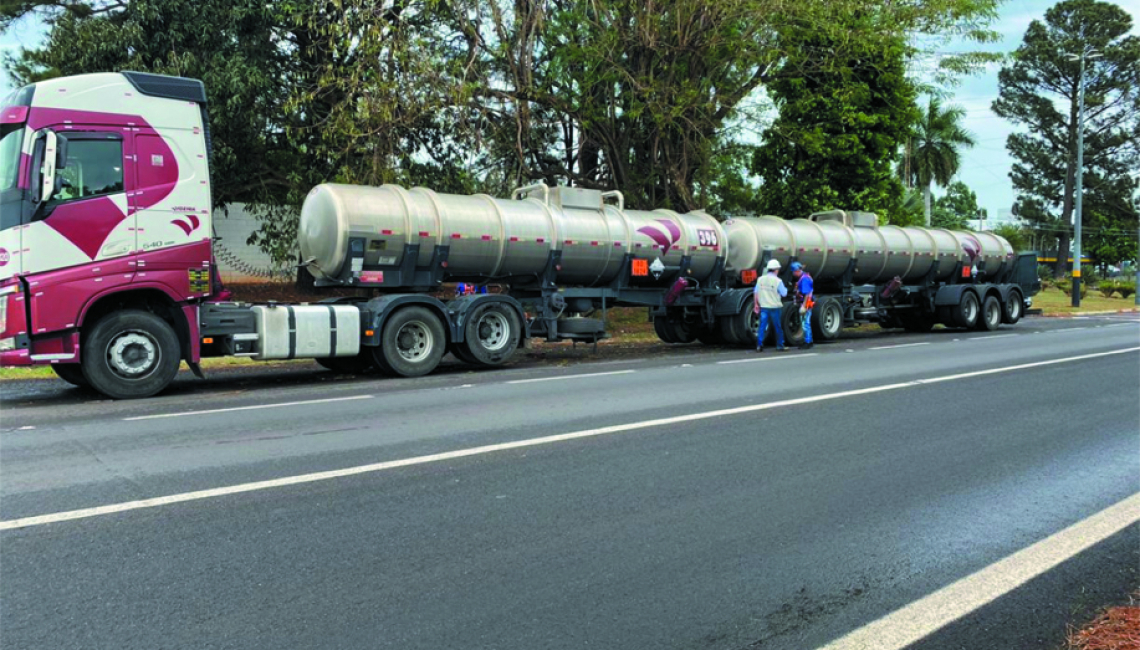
11	136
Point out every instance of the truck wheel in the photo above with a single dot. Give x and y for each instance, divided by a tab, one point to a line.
131	354
745	324
1013	308
681	331
663	330
827	320
727	328
966	313
359	364
793	325
72	373
918	323
492	334
462	353
710	334
411	344
990	318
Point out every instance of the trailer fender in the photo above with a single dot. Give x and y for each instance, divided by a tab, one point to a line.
462	306
729	303
951	294
377	310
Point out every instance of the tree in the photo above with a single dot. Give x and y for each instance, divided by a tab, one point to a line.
932	149
954	208
1039	91
839	126
636	95
229	44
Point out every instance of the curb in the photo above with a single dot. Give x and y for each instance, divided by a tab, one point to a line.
1093	313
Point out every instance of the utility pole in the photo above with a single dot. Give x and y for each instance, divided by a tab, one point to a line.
1085	54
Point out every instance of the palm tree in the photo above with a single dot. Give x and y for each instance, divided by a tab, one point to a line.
933	149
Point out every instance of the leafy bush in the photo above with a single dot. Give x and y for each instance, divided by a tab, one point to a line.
1125	289
1044	274
1106	289
1065	284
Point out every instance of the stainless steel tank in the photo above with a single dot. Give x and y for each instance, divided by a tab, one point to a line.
500	238
827	241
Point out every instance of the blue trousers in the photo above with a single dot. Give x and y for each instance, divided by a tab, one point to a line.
772	315
807	326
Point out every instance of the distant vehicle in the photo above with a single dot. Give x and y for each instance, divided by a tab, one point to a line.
107	272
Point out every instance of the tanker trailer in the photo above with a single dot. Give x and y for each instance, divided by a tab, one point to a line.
896	276
558	252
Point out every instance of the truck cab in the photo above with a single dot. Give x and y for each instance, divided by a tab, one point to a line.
105	211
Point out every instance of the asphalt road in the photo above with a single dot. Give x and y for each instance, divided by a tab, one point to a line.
786	526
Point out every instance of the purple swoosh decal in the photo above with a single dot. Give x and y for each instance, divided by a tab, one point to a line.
672	228
656	235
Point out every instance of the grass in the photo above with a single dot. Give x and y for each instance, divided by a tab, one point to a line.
1054	303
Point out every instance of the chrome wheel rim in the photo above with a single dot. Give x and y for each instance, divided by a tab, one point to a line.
831	320
494	331
133	354
414	341
971	311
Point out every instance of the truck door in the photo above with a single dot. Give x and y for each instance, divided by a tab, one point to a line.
80	242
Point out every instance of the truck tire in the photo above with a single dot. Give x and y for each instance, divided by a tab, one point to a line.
990	318
131	354
827	320
412	343
492	334
710	334
918	323
359	364
72	373
663	330
793	325
582	326
965	313
1013	309
727	328
681	331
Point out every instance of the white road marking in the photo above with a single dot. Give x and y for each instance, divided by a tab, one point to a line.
245	408
987	338
772	358
900	345
592	374
84	513
906	626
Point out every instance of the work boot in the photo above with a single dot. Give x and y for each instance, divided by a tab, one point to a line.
806	346
760	349
782	348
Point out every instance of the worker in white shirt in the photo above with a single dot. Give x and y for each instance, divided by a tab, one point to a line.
767	298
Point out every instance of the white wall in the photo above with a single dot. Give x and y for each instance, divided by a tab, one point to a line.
238	261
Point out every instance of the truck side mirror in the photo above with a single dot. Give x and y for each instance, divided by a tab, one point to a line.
48	167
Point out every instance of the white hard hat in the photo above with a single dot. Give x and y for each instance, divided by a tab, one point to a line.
773	265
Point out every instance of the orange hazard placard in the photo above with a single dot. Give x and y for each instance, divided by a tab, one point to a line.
640	268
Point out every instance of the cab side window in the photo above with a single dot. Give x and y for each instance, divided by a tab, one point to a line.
94	168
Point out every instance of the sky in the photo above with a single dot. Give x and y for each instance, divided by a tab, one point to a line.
985	167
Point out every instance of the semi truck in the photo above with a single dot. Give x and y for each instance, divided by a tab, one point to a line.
107	271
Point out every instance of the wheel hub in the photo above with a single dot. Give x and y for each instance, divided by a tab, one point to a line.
494	331
132	354
414	341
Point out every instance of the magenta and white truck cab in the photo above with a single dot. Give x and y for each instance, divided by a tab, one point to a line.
105	210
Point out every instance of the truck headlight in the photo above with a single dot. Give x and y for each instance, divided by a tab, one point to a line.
8	344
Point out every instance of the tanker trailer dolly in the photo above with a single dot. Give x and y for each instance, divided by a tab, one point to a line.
907	277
